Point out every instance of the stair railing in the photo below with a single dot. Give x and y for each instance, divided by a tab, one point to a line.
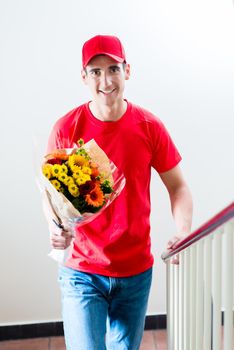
200	289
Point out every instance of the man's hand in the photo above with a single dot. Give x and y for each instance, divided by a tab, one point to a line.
59	237
172	244
181	205
61	241
175	240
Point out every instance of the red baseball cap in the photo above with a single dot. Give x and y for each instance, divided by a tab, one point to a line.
103	45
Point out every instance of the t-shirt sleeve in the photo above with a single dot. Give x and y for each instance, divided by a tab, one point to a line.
62	134
56	139
165	154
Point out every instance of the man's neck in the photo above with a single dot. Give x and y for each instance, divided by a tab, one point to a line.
108	113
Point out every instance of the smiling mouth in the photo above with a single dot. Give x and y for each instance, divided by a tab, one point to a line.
106	93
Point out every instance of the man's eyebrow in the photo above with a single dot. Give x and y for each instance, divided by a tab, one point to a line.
114	66
94	69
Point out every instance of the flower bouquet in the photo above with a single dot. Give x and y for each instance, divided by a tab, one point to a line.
79	184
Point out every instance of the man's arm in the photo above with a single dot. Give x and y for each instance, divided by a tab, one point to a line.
181	203
59	238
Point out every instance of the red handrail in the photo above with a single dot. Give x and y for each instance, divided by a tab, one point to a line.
219	219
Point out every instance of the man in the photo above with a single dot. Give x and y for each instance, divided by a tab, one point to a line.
106	280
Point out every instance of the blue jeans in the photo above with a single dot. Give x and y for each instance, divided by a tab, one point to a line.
101	312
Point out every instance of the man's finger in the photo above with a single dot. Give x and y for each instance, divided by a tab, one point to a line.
67	234
175	260
60	242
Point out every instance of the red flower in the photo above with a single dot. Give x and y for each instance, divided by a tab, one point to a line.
54	161
86	188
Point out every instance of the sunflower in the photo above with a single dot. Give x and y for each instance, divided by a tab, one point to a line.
47	170
75	168
86	170
56	184
77	160
77	173
56	170
95	197
64	168
69	181
82	179
74	190
63	177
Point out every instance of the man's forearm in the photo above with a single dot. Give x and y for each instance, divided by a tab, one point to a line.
181	203
182	210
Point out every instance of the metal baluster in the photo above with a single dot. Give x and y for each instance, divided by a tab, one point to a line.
170	316
181	300
228	285
176	306
199	296
193	298
216	290
207	293
187	303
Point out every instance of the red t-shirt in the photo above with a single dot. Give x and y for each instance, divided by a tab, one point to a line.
117	243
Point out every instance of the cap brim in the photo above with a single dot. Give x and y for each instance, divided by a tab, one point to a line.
116	58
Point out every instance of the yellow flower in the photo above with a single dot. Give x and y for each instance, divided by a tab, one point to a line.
64	168
73	189
86	170
77	173
87	177
69	181
46	169
75	168
56	184
82	179
56	170
63	177
76	159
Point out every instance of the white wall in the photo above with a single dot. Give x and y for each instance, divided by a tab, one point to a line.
182	59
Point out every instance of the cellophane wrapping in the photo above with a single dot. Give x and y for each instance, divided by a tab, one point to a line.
59	208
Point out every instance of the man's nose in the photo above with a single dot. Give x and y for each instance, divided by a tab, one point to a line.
105	79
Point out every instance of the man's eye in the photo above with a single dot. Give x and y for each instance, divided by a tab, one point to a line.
95	73
114	69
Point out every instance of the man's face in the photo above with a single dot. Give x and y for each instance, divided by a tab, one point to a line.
106	79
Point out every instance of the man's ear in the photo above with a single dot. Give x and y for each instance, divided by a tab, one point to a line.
84	75
127	71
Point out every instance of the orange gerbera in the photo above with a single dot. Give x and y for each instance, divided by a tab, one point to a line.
95	171
58	155
95	197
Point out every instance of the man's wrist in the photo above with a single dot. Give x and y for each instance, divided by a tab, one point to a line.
183	234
